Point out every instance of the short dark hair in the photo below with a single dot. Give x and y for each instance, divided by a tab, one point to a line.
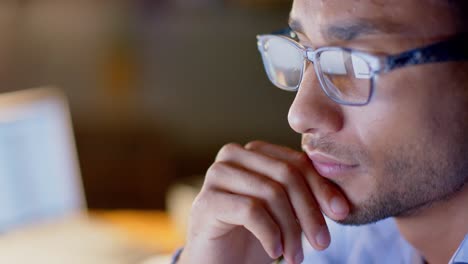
460	9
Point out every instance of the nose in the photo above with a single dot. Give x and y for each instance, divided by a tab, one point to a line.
312	111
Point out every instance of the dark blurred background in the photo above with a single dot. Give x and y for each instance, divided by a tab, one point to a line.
156	87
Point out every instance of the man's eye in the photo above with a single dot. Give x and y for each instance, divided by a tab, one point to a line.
294	35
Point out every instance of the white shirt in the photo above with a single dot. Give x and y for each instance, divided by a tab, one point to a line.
374	243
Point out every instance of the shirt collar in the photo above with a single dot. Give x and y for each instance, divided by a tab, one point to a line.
461	255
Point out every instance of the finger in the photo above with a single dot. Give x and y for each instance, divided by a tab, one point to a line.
328	195
236	210
293	181
235	179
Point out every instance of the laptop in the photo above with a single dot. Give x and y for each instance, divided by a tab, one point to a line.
39	172
42	204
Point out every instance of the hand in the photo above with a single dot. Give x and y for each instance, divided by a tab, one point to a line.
255	203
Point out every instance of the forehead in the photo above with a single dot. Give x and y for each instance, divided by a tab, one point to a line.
408	18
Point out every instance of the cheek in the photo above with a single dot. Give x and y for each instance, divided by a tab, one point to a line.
401	113
383	130
414	109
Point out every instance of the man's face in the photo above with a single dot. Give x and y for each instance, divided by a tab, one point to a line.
409	145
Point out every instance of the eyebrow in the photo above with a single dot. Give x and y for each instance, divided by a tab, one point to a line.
350	29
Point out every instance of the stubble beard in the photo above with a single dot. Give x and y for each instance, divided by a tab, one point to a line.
415	177
409	188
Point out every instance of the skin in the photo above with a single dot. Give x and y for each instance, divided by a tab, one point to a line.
408	147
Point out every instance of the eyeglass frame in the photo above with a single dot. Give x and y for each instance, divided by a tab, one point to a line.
450	50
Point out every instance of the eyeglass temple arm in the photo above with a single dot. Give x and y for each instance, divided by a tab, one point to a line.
454	49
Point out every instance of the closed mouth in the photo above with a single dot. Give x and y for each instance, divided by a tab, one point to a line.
330	167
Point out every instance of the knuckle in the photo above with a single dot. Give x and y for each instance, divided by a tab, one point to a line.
215	168
288	172
274	192
226	151
254	144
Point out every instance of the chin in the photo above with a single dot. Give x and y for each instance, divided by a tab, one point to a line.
365	209
358	218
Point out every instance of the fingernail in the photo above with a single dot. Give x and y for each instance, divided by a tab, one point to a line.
299	257
339	206
323	237
278	250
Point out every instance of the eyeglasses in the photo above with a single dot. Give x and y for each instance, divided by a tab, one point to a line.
347	76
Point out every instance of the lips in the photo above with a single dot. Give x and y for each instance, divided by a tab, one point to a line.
330	167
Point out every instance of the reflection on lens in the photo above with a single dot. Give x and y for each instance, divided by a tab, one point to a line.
283	62
345	76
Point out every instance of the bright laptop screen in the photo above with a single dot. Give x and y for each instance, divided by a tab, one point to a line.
39	174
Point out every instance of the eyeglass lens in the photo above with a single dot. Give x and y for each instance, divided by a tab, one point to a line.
344	76
284	63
